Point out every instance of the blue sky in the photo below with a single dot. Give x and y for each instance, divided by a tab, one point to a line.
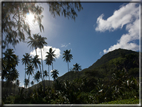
98	29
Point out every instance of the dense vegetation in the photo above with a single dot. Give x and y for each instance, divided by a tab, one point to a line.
117	79
113	77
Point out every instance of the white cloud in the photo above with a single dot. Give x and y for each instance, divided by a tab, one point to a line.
51	71
127	15
44	50
65	45
119	18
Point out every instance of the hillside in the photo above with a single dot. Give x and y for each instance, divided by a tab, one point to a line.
104	60
109	56
118	69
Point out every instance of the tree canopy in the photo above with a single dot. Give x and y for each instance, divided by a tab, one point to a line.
14	26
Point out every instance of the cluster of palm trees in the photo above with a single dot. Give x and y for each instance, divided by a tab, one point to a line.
34	63
30	63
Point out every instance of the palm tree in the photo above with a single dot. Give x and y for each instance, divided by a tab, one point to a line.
54	74
26	60
41	43
17	83
36	62
26	81
32	83
37	76
38	42
45	74
9	63
51	56
48	62
33	42
67	57
30	71
76	67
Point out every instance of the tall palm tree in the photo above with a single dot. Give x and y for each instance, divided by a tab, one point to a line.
37	76
36	62
45	74
51	56
26	81
76	67
26	60
33	42
17	83
67	57
30	71
41	43
38	42
54	74
32	83
9	63
48	62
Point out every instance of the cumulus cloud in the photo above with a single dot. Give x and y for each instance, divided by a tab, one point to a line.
63	45
44	50
127	15
119	18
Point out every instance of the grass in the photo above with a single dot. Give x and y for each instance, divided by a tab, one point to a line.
124	101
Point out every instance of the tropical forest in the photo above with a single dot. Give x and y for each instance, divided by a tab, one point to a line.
112	79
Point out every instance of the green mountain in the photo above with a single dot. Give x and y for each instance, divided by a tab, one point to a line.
102	64
111	55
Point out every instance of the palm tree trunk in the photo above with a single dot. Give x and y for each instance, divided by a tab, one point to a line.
25	75
42	64
52	65
29	80
49	75
68	66
42	69
36	50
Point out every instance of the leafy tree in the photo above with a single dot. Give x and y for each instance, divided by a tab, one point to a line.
54	74
30	70
26	60
13	21
14	17
76	67
10	61
67	57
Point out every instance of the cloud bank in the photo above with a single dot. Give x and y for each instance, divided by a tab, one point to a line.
44	50
127	15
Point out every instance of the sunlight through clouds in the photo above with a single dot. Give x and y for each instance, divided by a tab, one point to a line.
44	50
127	15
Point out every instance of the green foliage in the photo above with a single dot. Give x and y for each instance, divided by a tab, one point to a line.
111	55
124	101
14	25
112	81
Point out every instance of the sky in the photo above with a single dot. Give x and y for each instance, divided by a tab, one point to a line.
98	29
